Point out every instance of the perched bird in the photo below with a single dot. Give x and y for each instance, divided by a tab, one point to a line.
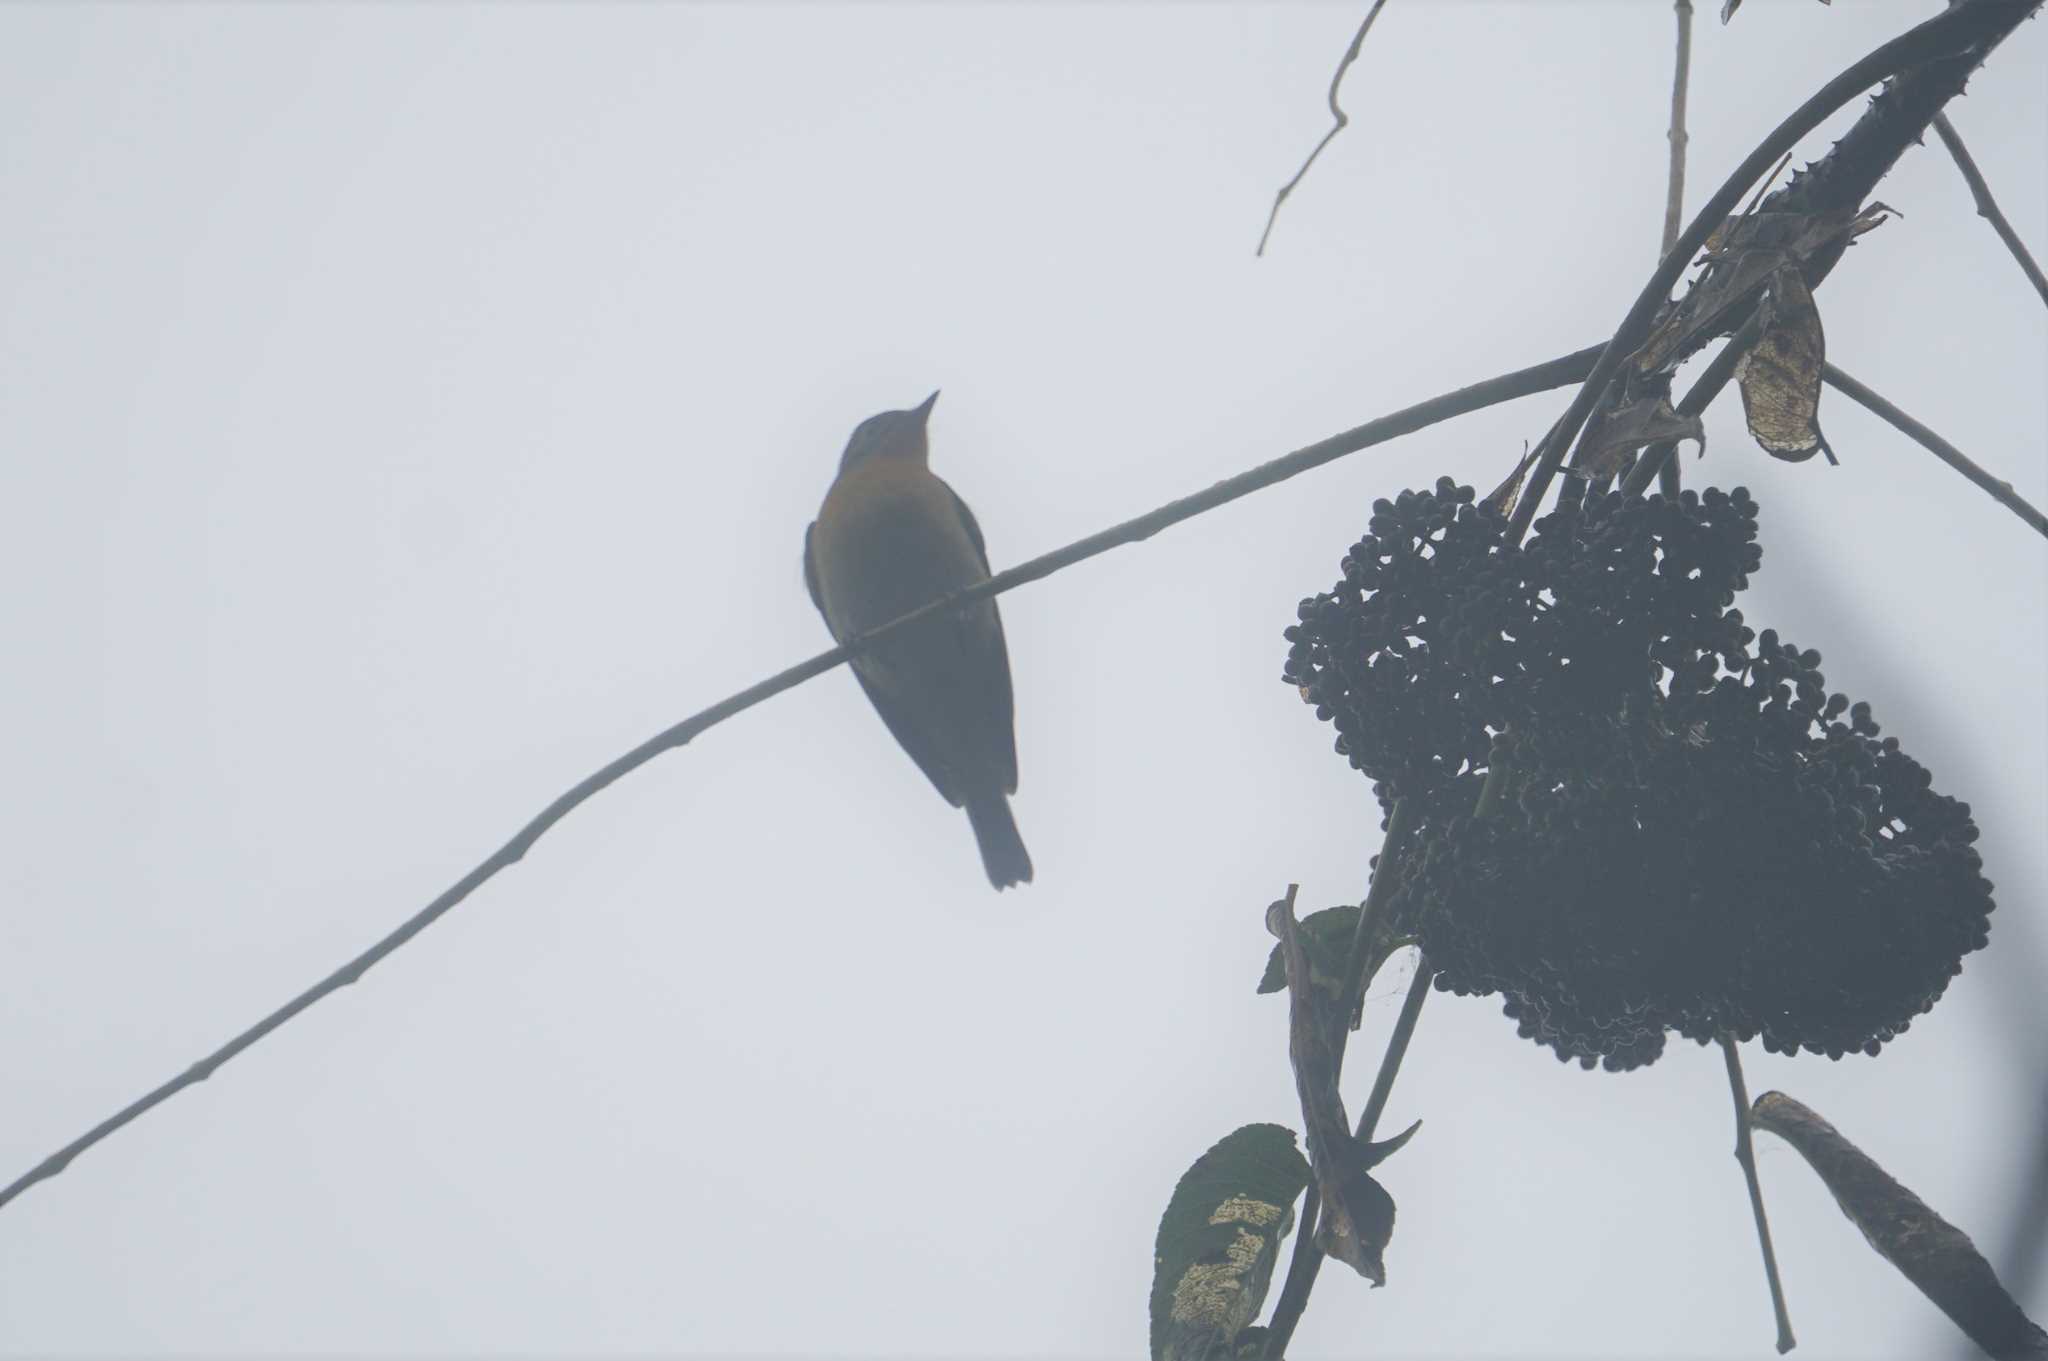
890	537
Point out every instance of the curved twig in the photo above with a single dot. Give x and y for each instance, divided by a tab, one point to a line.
1339	121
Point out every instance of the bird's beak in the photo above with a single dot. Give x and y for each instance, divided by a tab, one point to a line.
924	408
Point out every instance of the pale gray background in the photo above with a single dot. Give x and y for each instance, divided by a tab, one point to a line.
405	409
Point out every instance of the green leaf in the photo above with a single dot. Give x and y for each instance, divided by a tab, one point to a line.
1219	1239
1326	940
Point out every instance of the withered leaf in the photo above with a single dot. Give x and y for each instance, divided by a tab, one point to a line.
1358	1214
1647	420
1780	376
1741	256
1314	1043
1502	498
1357	1221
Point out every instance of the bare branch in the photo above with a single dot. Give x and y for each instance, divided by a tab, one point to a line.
1371	919
1397	1049
2001	492
1930	1252
1340	121
1745	1153
1987	206
1681	76
1674	191
1568	368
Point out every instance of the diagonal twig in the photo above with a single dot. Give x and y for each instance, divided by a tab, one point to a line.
1987	206
1557	372
2001	492
1340	121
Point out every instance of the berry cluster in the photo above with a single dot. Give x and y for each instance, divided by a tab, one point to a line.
1682	830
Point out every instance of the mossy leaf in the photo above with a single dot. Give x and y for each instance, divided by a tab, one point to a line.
1218	1241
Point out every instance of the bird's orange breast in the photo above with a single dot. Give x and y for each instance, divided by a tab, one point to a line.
889	538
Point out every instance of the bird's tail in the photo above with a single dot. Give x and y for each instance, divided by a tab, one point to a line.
1002	850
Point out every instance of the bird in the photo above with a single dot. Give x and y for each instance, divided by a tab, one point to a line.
891	536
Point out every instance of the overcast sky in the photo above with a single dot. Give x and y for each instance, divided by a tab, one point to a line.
405	409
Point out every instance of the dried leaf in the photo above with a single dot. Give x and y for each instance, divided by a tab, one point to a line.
1213	1261
1780	376
1357	1221
1503	497
1741	256
1358	1214
1609	441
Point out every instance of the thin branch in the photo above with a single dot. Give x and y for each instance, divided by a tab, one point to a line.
1302	1269
2000	492
1681	76
1568	368
1763	186
1987	207
1371	914
1397	1049
1745	1153
1930	1252
1340	121
1674	188
1951	31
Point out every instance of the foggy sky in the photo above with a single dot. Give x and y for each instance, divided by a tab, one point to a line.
408	408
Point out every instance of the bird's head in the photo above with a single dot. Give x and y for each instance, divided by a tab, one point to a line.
893	434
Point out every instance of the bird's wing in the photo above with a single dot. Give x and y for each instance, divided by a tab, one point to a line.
967	519
903	723
811	568
1001	700
912	730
